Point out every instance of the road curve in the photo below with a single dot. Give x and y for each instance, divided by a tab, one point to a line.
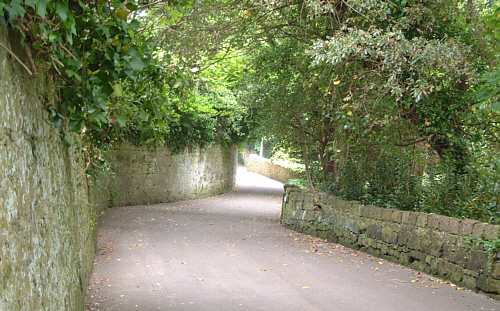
230	253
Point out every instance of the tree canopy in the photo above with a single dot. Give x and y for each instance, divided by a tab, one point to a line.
390	102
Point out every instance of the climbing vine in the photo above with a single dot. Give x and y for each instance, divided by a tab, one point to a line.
88	46
114	81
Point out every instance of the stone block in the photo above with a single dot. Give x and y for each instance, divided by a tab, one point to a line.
409	218
362	224
397	216
437	242
469	281
496	270
404	235
491	232
351	225
376	212
478	230
433	221
348	204
356	210
387	214
449	224
461	256
374	231
422	220
384	248
471	273
434	267
488	285
478	260
457	274
389	235
466	226
444	268
415	240
365	211
394	253
426	240
429	260
404	258
352	205
449	246
338	205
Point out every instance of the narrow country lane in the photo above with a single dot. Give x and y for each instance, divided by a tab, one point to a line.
230	253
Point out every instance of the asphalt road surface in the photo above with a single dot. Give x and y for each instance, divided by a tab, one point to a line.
229	252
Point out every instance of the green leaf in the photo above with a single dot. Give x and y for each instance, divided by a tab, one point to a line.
117	90
30	3
16	9
495	107
62	11
121	120
41	7
76	125
137	64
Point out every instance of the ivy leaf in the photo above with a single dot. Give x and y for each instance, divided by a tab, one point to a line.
117	90
30	3
62	11
121	120
76	125
137	64
16	9
41	7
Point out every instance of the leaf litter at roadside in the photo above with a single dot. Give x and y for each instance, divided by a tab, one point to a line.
322	247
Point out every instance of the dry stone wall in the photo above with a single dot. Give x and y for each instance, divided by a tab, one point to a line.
141	176
47	226
459	250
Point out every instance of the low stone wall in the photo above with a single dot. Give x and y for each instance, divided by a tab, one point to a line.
266	167
454	249
47	226
142	176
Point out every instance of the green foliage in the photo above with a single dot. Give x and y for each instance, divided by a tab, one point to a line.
393	103
387	102
490	246
179	110
297	182
87	47
114	80
178	101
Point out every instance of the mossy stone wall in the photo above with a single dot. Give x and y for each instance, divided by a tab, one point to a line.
47	225
141	176
460	250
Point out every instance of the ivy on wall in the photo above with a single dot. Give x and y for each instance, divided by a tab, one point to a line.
87	46
114	82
